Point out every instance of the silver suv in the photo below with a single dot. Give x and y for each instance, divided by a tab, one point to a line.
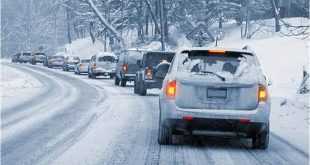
215	92
102	64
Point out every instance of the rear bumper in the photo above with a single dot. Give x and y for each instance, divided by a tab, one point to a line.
70	66
149	84
169	111
128	77
104	72
215	127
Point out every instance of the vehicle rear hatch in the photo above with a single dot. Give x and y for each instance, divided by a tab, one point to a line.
153	59
107	62
206	87
131	61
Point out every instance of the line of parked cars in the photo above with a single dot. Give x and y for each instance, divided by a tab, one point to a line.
204	91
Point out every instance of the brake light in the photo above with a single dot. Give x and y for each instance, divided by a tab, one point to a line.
149	73
94	66
125	68
81	65
216	51
262	93
171	88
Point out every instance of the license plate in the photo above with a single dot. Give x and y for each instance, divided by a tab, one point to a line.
220	93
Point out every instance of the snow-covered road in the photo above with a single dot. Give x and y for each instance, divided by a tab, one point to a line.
77	120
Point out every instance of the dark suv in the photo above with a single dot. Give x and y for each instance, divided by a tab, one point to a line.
127	66
16	58
152	70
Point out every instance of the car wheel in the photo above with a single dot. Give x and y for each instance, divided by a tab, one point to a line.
164	134
261	139
123	82
135	90
116	81
142	88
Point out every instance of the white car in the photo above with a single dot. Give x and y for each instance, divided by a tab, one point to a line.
215	92
102	64
82	66
26	57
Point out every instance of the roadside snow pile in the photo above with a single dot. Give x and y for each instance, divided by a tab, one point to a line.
84	48
17	87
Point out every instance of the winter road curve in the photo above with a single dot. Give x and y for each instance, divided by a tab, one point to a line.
98	123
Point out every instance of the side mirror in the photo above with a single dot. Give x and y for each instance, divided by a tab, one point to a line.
139	63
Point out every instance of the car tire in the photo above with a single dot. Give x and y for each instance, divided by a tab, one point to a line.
261	139
123	82
164	134
116	81
142	89
135	89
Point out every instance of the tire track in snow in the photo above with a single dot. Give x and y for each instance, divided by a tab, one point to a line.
56	132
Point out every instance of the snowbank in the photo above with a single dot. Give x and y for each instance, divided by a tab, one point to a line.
84	48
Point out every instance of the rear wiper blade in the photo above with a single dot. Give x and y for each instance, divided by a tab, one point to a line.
219	76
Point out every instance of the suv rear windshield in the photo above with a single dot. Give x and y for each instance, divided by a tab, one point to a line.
201	62
106	59
38	54
85	61
26	54
153	59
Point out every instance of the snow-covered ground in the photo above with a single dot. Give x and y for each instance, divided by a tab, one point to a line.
17	86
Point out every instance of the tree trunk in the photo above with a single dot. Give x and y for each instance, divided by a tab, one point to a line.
275	6
146	23
165	17
68	26
153	16
162	36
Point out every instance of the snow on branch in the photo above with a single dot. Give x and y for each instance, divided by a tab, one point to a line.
106	23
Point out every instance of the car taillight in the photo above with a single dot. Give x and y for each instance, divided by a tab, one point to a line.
262	93
171	89
125	68
94	66
149	73
81	65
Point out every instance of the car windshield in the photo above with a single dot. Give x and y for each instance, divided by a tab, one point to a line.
202	63
38	54
26	54
153	59
57	57
85	61
106	59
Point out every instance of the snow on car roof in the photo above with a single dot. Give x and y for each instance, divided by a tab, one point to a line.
106	54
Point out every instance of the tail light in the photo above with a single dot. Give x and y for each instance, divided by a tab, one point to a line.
149	73
262	93
171	89
125	68
81	65
94	66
